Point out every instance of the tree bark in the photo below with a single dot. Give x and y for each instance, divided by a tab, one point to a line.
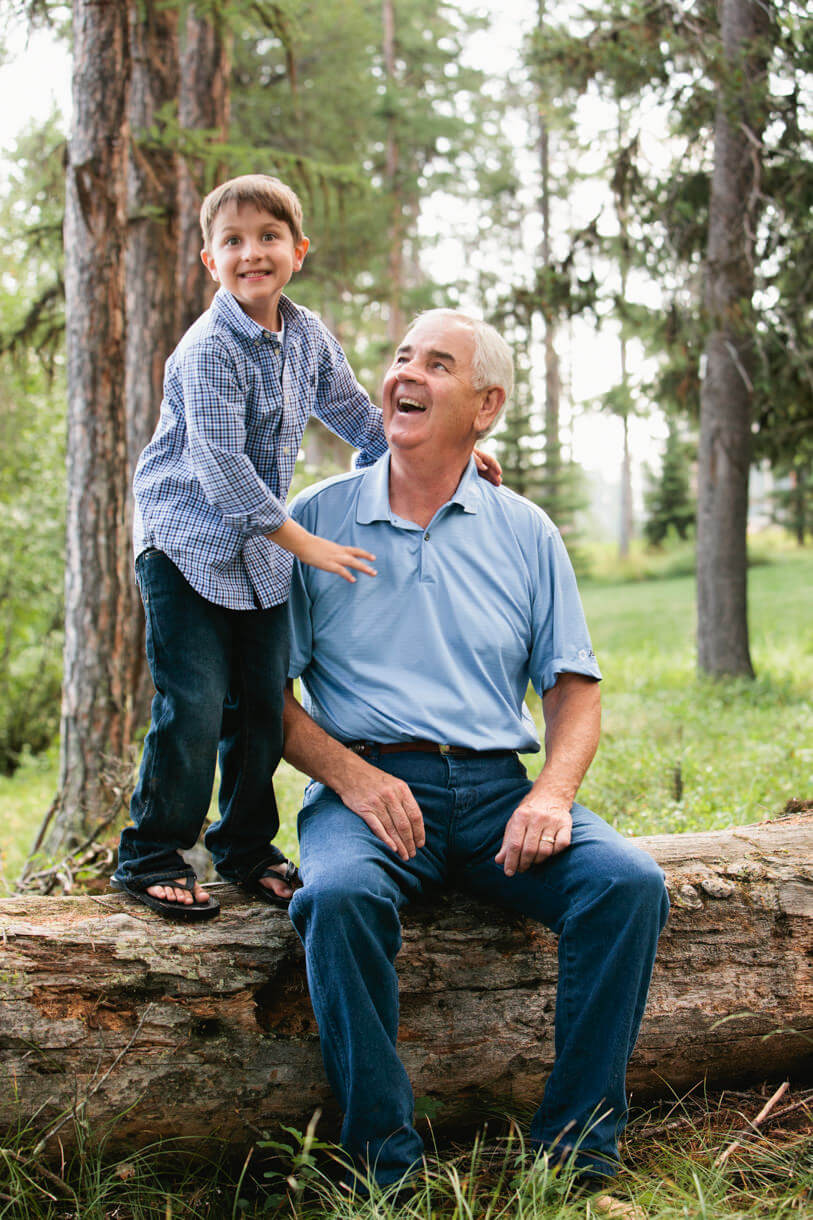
203	106
392	179
727	390
152	254
94	685
207	1031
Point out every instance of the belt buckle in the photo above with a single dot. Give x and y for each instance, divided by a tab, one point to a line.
444	749
358	747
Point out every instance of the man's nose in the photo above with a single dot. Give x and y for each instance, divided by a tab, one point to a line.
408	371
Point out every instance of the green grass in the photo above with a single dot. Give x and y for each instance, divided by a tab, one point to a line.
677	752
672	1157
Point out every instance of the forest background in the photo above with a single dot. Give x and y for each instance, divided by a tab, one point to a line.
633	168
636	170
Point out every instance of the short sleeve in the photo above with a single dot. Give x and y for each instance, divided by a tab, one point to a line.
299	622
560	638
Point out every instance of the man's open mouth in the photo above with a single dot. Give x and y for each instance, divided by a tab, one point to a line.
410	404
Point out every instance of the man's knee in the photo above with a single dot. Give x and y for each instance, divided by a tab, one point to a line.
636	883
344	903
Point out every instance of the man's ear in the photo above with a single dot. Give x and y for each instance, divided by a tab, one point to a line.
209	264
490	408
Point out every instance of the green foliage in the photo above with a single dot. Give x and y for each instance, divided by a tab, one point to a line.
659	57
32	489
668	500
680	753
793	498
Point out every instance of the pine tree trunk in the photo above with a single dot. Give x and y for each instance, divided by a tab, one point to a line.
152	253
395	263
207	1032
203	105
725	401
97	553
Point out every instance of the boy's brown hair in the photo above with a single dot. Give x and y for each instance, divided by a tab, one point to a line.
263	192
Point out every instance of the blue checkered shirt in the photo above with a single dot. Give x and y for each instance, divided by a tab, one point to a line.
213	479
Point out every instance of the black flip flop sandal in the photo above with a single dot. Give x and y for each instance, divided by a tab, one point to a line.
252	882
178	912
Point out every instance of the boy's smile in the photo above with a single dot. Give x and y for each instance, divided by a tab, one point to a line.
253	255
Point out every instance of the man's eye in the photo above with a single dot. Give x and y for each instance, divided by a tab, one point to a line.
438	364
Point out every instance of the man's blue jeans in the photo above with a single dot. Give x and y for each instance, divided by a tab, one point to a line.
219	676
605	899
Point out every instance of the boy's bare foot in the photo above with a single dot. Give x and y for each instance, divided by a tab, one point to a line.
273	882
169	893
181	900
280	887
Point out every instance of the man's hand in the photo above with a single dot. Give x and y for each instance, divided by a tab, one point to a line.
488	467
388	807
537	829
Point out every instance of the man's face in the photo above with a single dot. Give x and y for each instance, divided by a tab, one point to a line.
428	398
253	255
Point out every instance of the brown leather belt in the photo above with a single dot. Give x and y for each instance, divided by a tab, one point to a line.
366	748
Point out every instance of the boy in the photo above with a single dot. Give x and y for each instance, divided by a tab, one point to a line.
214	548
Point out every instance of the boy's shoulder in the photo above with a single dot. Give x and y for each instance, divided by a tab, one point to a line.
208	332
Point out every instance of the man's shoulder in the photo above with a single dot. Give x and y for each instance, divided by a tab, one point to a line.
518	509
327	494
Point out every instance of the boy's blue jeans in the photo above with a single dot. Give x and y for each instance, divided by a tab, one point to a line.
604	898
219	676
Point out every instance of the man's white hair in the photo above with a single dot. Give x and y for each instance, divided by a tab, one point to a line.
492	362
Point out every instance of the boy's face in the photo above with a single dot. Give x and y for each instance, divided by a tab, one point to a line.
253	255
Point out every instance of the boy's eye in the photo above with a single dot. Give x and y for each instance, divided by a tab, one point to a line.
269	236
233	240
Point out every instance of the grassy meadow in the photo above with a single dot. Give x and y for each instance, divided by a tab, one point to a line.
677	753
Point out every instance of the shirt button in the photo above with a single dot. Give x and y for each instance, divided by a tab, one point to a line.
427	536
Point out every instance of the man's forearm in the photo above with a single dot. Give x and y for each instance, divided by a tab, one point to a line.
313	751
572	710
382	801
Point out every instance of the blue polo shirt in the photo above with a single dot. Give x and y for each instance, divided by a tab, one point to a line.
443	642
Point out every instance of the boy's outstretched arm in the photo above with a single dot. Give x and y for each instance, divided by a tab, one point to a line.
320	553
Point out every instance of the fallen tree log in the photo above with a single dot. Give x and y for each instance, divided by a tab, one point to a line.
209	1030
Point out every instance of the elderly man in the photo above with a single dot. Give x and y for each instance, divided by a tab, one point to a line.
413	691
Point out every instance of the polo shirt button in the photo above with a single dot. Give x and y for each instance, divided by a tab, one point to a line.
426	536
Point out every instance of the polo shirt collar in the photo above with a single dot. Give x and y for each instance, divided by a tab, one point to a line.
374	494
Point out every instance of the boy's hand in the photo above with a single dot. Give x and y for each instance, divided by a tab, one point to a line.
331	557
488	467
320	553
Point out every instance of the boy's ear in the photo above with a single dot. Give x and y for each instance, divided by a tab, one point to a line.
300	250
209	264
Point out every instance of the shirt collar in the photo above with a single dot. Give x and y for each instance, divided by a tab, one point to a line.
374	494
229	311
